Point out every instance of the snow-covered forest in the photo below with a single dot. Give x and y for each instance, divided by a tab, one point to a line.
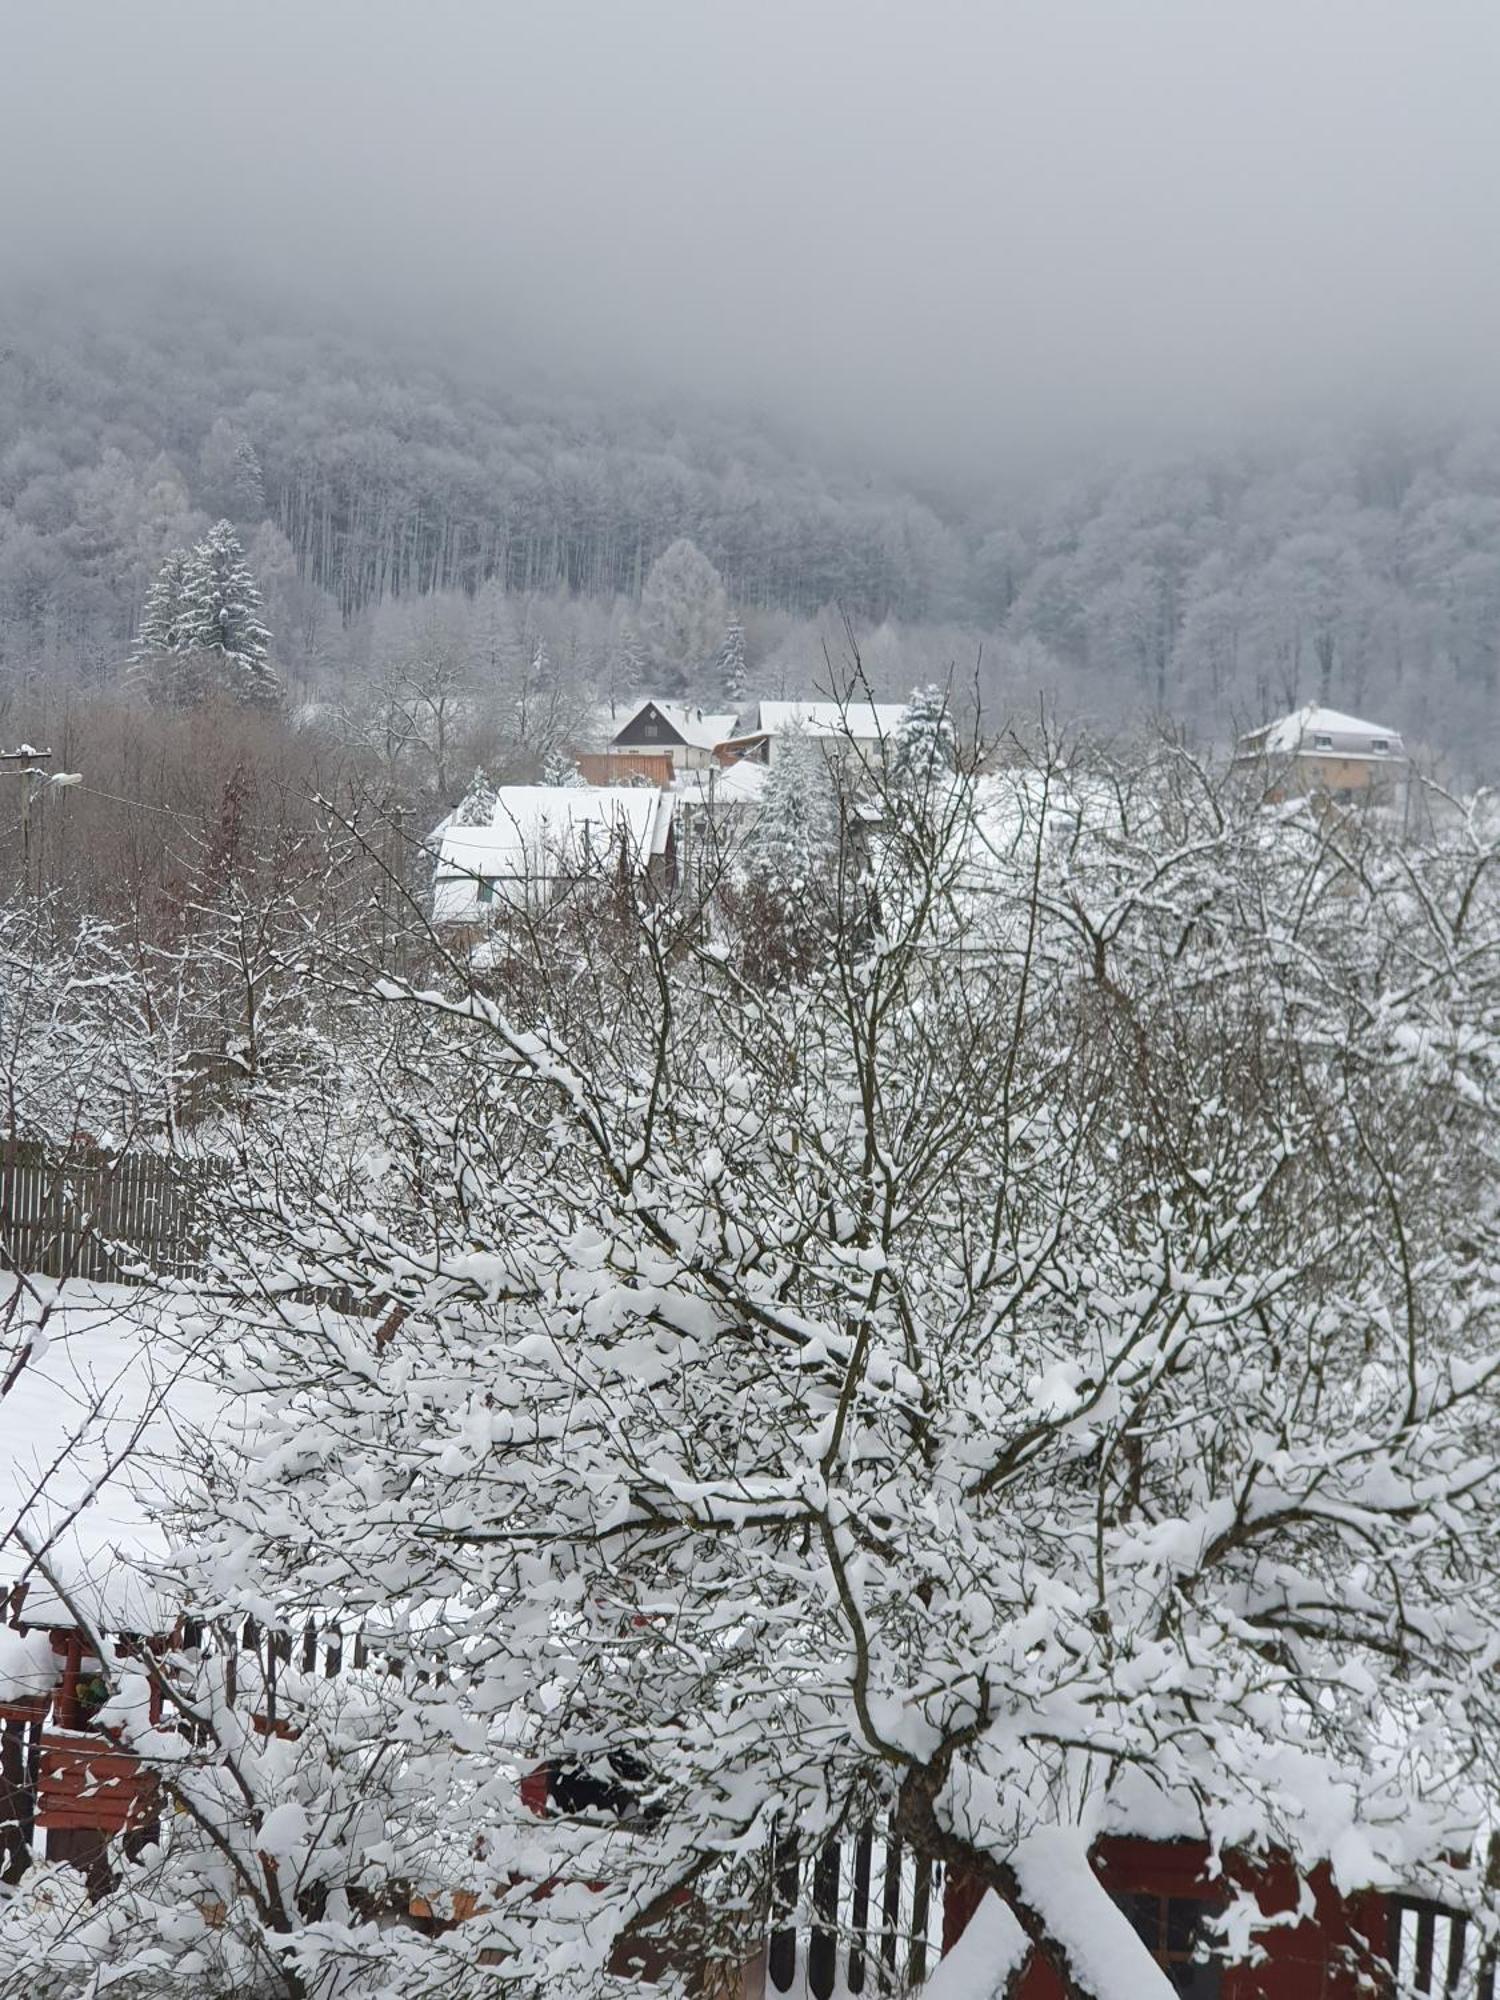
378	494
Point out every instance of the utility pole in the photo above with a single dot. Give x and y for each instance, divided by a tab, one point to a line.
30	765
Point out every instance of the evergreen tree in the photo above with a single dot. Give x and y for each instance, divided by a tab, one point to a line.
201	631
627	666
925	746
163	615
561	769
796	828
477	806
229	473
729	669
222	616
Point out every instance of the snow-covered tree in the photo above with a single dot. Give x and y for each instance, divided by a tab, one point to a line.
1036	1375
229	472
221	613
683	614
201	631
729	668
562	770
796	829
164	615
627	667
477	806
924	747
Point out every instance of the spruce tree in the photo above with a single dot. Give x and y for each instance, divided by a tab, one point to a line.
796	827
925	746
561	769
477	806
163	614
221	615
729	668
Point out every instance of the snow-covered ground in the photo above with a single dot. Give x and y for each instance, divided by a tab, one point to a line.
110	1397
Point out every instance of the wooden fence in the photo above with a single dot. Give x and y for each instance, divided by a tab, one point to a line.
71	1213
1438	1951
861	1915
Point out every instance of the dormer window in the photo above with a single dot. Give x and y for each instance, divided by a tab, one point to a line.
1322	743
1381	745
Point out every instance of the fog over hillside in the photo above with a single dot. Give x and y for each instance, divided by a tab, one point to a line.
1141	356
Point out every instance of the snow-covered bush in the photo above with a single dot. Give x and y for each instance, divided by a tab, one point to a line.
1036	1371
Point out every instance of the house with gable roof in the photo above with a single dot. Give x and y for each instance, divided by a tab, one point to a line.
688	735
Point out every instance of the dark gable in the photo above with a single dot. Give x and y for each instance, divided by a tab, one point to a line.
647	728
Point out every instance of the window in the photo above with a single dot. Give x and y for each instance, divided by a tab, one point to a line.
1381	745
486	890
1171	1928
1322	743
650	729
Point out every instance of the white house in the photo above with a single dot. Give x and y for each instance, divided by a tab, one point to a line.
542	838
862	726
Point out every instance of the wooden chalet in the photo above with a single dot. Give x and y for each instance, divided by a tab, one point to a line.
686	735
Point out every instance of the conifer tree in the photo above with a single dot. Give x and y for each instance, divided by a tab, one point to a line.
163	614
796	828
477	806
201	630
924	746
729	669
222	603
562	770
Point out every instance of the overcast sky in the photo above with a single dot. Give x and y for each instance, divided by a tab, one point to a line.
956	228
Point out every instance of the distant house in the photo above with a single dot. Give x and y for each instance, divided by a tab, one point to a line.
544	838
860	726
1319	750
689	736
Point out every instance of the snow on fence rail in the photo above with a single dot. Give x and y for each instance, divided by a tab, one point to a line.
96	1215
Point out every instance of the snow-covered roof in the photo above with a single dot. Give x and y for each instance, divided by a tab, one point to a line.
865	721
694	725
93	1435
1350	735
738	784
540	833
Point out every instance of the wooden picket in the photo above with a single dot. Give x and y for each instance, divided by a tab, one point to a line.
88	1214
1435	1950
826	1934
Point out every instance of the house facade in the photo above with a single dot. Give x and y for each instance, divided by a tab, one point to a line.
687	735
1324	752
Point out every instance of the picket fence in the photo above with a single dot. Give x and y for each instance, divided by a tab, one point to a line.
862	1914
79	1213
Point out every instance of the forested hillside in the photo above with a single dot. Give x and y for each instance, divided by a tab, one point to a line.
1358	567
